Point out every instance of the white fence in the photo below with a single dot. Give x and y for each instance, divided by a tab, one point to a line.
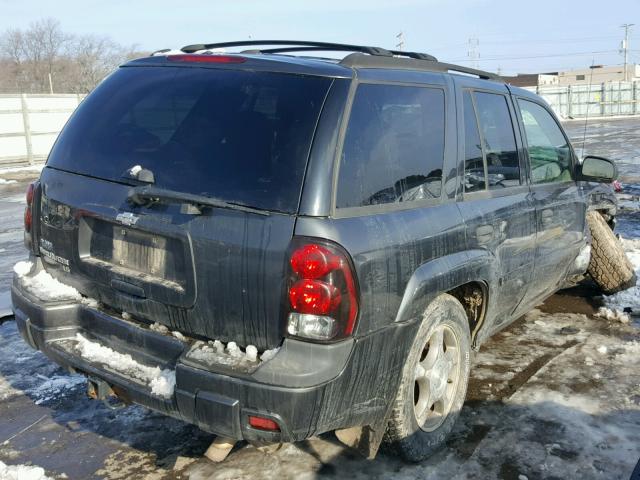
598	100
29	124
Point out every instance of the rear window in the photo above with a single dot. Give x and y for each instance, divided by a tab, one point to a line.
240	136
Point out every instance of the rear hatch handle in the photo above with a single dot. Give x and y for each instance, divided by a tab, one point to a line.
193	204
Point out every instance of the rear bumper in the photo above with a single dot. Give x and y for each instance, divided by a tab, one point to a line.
307	388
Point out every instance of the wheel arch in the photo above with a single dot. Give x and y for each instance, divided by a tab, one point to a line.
466	275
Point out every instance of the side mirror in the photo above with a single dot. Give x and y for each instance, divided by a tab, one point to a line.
597	169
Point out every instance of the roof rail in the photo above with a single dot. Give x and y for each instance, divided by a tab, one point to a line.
472	71
376	56
317	45
365	61
308	46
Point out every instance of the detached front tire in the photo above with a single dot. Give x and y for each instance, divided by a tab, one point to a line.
434	381
609	266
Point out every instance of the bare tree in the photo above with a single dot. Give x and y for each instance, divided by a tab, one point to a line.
94	57
32	58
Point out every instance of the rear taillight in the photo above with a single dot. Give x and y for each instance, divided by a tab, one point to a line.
28	217
27	210
322	294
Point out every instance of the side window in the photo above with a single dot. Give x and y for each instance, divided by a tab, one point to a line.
498	139
549	152
474	175
394	146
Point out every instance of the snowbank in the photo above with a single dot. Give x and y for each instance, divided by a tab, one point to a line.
629	298
21	472
6	182
33	168
161	382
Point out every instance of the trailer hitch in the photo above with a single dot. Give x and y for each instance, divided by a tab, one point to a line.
98	389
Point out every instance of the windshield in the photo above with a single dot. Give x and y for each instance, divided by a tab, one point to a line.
240	136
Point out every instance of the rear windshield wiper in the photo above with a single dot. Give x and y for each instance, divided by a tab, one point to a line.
147	195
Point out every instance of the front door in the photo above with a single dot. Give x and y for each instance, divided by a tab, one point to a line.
560	210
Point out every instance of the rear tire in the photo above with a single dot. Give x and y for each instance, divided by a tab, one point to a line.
609	266
434	381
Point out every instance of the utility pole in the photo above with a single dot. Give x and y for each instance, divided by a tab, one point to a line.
625	47
400	44
473	51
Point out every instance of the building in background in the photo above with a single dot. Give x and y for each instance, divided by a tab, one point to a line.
532	79
599	74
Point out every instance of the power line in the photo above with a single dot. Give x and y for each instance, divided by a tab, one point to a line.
625	47
527	57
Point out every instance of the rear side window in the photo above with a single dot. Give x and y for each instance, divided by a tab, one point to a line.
240	136
498	140
549	151
394	146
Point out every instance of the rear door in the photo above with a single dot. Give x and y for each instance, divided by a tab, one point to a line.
496	202
240	136
560	209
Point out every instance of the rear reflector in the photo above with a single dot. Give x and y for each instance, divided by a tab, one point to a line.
206	58
262	423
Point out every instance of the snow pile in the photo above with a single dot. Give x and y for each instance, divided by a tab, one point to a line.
161	382
43	285
629	298
47	288
216	353
179	336
35	168
159	328
6	182
269	354
22	268
21	472
90	302
613	314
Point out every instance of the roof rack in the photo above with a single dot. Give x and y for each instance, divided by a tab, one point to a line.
376	56
307	46
364	61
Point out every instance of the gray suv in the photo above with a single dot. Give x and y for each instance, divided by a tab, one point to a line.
272	246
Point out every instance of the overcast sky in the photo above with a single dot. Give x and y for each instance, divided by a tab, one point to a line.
545	35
